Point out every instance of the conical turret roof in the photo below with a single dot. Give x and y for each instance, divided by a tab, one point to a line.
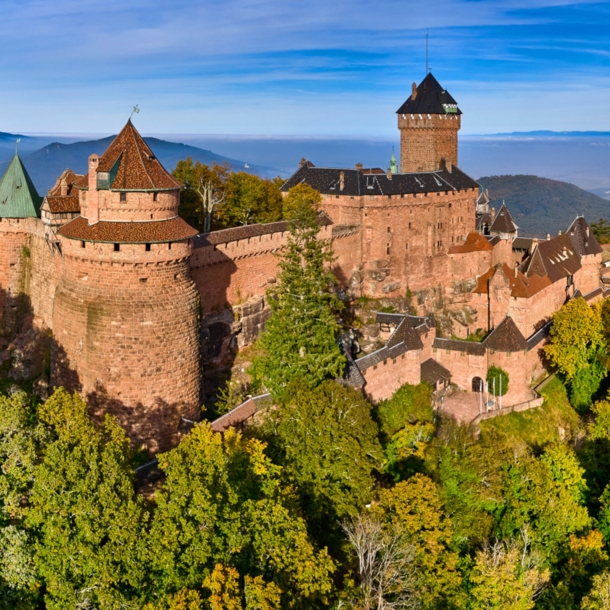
132	166
18	195
429	98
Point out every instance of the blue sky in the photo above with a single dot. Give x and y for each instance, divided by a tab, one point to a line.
321	67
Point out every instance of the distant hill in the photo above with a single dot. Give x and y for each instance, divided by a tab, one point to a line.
46	164
540	206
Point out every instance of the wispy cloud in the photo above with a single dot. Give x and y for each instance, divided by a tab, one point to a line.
270	66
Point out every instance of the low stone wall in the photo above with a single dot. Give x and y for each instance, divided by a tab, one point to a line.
522	406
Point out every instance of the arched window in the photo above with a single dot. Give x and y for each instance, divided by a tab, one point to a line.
477	384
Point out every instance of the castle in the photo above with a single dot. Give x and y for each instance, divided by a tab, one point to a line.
139	304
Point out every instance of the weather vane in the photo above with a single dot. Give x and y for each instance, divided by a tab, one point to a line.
17	145
135	110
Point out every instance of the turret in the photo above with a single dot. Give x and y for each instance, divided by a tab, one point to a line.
429	122
126	312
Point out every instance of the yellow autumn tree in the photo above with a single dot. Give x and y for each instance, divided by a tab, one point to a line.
576	334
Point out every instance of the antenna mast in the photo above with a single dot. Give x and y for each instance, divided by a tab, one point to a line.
426	50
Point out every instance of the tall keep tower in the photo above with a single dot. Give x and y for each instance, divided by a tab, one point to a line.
429	122
126	312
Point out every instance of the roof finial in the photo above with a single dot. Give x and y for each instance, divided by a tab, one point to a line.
17	145
135	110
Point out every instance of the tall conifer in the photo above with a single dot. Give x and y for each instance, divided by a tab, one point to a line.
300	338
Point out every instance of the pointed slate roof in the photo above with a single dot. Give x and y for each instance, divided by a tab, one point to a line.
132	166
506	337
582	238
431	98
555	257
18	195
503	223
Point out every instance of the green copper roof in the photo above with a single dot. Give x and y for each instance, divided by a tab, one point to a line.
393	163
18	196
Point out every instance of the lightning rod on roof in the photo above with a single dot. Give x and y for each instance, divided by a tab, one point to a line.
135	110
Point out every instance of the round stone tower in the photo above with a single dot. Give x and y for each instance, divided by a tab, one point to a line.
126	312
429	122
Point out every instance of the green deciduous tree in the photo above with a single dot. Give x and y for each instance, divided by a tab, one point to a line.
300	337
222	505
414	509
599	596
249	200
204	190
497	378
326	441
84	512
507	577
576	336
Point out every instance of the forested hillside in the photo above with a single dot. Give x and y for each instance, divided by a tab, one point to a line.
540	206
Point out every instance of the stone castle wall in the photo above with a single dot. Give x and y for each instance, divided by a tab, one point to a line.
405	239
126	328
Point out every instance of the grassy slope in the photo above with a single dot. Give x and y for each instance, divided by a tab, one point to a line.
540	206
554	421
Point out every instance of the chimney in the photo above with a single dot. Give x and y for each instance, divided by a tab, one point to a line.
341	181
493	214
389	173
93	208
548	236
559	233
359	166
64	188
413	91
302	161
534	245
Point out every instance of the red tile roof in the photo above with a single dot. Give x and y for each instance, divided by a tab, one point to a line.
521	286
475	242
63	205
155	231
138	168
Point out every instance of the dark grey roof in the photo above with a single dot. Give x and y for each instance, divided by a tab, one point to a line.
593	294
506	337
431	98
555	257
352	375
582	238
404	338
388	318
357	182
539	335
522	243
432	371
455	345
503	223
238	233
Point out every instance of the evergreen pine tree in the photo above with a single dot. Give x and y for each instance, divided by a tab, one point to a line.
300	337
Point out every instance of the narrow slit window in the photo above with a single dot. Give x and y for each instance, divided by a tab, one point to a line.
117	247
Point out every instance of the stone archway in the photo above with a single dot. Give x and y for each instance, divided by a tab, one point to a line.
477	384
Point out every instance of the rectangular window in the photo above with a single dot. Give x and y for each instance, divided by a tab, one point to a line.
406	245
439	244
439	225
117	247
155	195
387	250
123	196
410	226
147	247
389	230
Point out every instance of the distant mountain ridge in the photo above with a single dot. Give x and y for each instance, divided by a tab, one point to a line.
545	133
540	205
47	163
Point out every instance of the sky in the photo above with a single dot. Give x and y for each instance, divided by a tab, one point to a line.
315	68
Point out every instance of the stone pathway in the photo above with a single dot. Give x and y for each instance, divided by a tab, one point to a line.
463	406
